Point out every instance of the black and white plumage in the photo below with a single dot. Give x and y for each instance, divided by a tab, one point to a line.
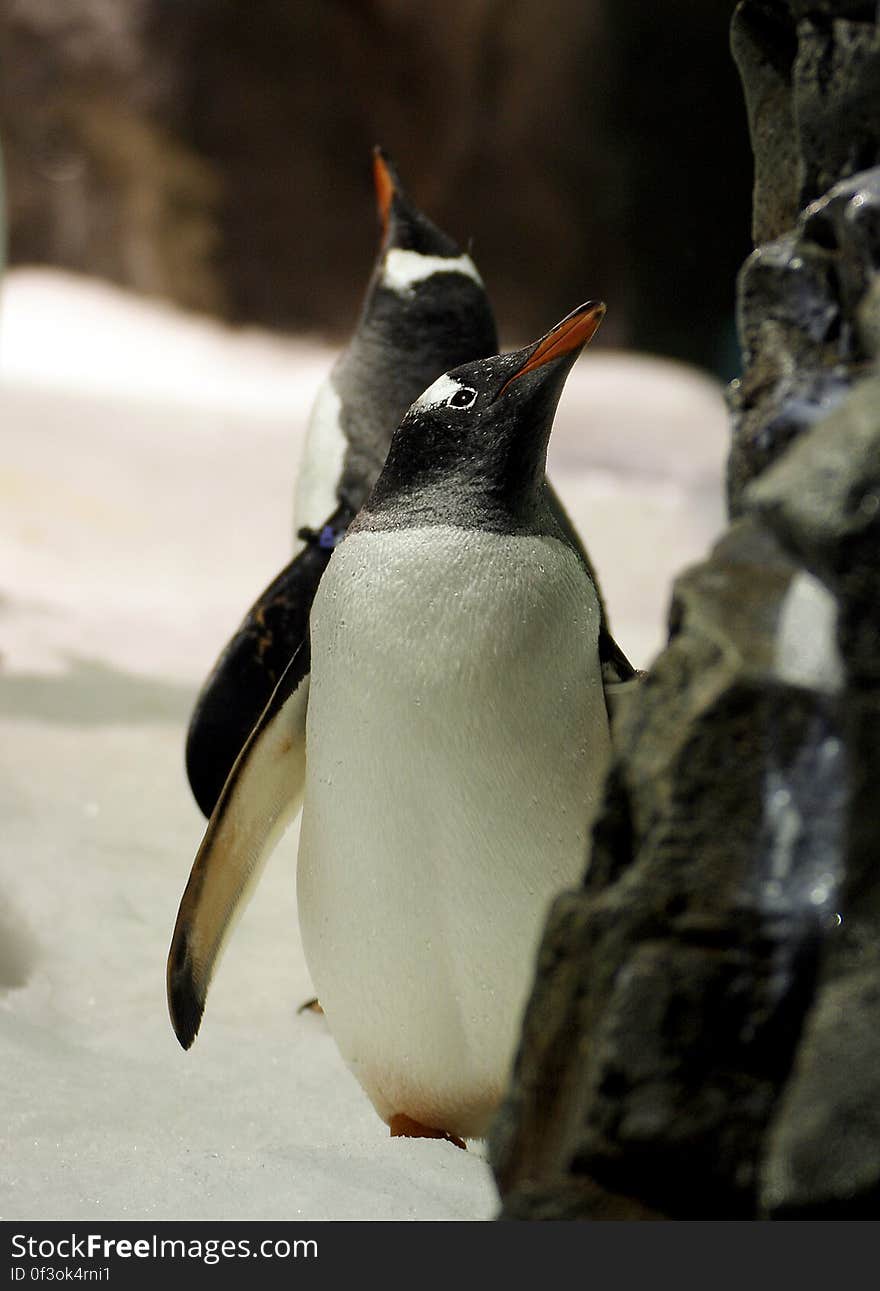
448	738
425	310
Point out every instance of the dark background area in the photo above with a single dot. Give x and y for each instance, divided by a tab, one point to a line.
217	153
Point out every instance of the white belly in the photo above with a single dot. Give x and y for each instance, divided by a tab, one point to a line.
321	464
456	742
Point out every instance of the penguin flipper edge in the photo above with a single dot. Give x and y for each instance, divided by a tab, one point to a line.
259	800
244	677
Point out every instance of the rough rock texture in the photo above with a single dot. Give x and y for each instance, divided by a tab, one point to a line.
811	75
702	1038
802	337
807	67
823	1154
764	46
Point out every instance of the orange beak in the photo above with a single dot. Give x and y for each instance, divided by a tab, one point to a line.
386	187
572	333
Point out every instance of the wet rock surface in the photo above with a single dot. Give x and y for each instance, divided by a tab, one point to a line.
807	66
823	1152
806	318
701	1041
811	79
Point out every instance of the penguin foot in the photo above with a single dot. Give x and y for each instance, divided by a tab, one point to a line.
309	1006
404	1127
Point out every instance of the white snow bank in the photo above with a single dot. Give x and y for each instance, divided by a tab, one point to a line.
62	332
145	488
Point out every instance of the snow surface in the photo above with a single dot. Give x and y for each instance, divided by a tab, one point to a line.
145	495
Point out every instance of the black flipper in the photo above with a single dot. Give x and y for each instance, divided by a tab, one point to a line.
259	800
244	677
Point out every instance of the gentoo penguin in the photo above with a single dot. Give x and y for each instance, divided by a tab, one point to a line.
449	748
425	311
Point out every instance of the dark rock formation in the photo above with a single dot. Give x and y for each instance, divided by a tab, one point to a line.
764	45
811	73
823	1153
798	312
702	1038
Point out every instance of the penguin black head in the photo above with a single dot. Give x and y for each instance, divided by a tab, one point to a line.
425	311
426	301
471	451
404	226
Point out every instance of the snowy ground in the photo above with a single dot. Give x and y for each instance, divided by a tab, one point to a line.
145	486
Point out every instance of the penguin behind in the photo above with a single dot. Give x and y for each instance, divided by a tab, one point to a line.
425	310
450	746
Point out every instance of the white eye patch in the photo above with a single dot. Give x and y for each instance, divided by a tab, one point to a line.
403	269
441	392
465	397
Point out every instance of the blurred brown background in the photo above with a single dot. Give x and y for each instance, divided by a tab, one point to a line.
216	153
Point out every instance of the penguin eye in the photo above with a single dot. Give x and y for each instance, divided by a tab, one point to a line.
464	397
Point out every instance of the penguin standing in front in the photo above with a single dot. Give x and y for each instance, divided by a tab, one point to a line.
449	748
425	311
